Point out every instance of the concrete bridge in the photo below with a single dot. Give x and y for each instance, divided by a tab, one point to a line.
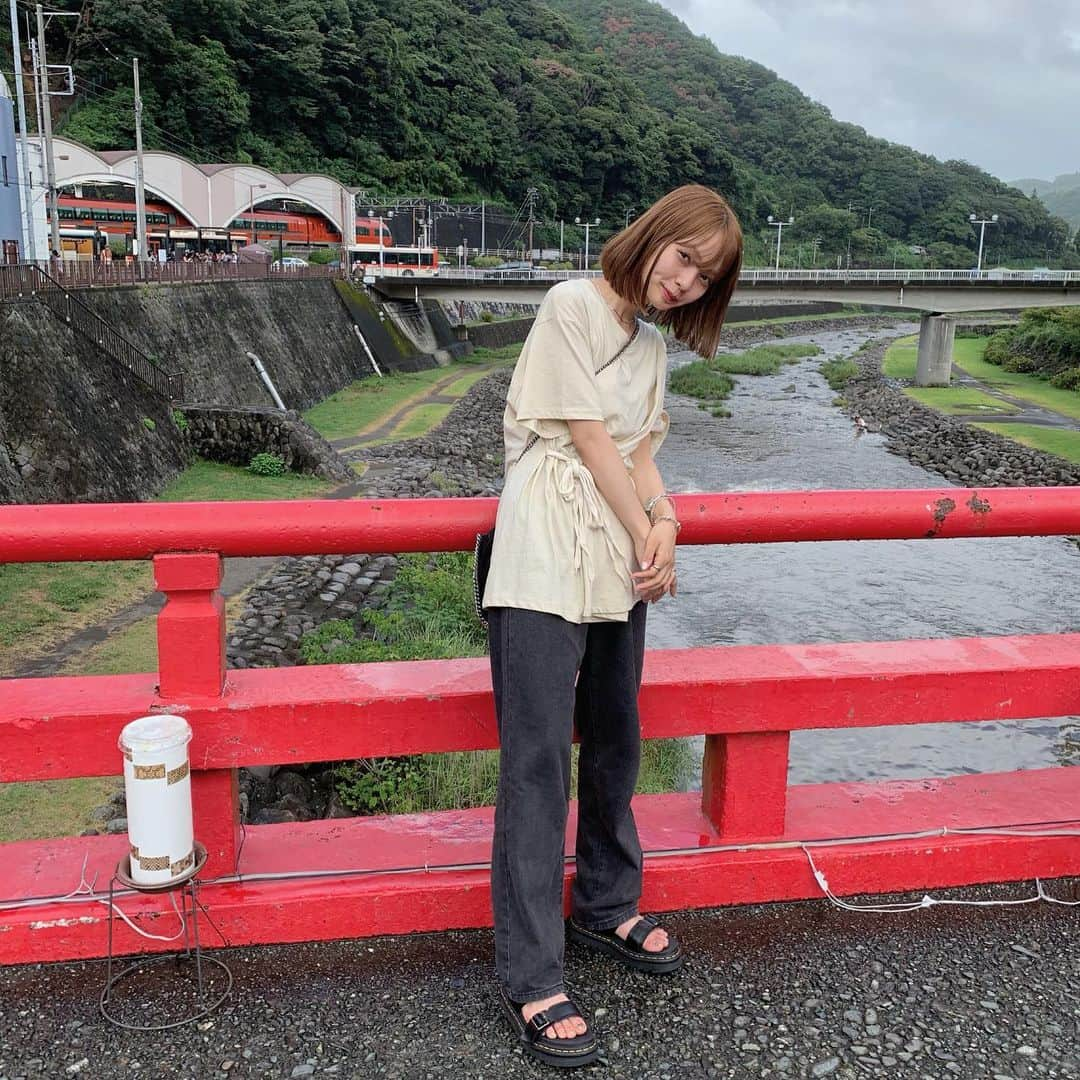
934	294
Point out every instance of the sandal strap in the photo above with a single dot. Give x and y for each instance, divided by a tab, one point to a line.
541	1021
641	930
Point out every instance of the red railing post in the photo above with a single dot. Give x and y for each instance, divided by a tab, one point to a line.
744	783
191	664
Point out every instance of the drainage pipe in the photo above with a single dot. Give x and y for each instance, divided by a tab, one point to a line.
265	376
367	349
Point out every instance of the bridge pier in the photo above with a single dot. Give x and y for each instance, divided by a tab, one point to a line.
934	366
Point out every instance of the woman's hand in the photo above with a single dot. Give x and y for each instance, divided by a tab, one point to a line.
656	559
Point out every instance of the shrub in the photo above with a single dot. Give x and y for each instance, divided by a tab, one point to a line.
322	256
997	348
180	420
485	262
267	465
149	424
486	316
1069	379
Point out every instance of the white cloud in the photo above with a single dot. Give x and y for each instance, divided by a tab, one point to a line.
993	82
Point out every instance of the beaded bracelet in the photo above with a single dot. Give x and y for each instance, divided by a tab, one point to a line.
668	517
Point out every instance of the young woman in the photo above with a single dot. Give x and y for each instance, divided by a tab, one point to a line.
585	537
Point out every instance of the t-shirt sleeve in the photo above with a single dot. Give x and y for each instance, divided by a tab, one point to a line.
557	370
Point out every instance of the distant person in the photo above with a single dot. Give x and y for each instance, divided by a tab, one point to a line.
585	538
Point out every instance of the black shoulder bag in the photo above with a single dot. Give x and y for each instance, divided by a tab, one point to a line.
485	540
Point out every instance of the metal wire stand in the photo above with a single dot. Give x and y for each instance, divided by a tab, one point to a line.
188	890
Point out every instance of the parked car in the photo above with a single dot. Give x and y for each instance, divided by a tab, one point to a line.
290	262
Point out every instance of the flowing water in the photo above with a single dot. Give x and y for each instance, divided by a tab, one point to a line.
785	433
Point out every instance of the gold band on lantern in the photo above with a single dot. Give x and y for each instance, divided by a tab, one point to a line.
150	772
174	776
181	865
154	862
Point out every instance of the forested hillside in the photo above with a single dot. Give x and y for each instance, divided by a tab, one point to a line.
601	106
1061	195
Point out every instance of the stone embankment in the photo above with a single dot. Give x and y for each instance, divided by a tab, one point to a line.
235	434
963	454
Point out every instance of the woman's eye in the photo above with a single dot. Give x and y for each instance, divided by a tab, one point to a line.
683	255
704	279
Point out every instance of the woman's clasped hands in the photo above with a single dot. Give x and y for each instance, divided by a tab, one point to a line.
656	559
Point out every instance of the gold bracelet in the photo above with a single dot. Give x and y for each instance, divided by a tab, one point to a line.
668	517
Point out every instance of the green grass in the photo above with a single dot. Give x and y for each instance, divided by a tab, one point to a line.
958	400
460	387
901	358
44	603
47	808
366	403
483	354
810	318
1065	444
837	372
420	421
213	481
762	360
968	353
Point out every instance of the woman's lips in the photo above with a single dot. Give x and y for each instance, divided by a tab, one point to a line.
668	297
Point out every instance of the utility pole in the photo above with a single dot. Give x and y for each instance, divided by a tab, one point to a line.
46	119
140	187
30	249
483	227
530	199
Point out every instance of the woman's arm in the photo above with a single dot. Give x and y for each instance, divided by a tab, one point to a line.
653	544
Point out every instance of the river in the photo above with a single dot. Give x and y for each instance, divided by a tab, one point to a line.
785	433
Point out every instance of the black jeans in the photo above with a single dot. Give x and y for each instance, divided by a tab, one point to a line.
535	659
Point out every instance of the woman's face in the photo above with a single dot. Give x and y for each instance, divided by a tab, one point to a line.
683	271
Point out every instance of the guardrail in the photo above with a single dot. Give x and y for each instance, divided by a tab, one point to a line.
742	839
16	280
768	276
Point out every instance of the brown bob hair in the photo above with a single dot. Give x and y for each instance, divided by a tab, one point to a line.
689	214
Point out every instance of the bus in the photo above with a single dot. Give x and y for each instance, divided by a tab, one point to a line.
373	260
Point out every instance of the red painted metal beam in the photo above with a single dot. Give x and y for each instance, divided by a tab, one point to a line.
61	727
429	871
140	530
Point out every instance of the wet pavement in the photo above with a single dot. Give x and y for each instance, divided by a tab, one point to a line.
785	433
785	990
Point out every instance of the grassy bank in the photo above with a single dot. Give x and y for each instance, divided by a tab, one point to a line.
365	404
968	356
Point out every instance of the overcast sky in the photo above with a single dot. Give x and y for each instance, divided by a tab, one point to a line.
993	82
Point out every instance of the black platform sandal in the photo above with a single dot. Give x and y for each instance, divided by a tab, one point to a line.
631	952
561	1053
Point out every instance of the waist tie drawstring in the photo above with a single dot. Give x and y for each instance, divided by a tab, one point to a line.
574	483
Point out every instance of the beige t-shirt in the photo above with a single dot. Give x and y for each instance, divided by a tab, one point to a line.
559	547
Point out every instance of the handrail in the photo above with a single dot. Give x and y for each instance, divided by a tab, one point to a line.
86	321
1047	278
738	840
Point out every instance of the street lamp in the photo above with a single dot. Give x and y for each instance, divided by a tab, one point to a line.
982	223
378	233
626	217
587	225
779	226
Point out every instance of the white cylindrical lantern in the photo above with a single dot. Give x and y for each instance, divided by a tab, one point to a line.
157	784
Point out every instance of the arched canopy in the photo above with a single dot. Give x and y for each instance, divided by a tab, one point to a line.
209	196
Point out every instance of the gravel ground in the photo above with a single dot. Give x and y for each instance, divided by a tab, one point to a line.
783	990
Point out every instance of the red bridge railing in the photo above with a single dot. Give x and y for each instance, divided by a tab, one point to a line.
739	840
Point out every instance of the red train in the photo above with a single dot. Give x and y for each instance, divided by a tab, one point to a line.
292	228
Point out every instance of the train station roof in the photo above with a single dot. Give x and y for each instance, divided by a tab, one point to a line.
210	196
